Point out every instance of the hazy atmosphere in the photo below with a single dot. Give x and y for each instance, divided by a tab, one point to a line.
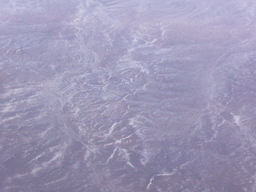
127	96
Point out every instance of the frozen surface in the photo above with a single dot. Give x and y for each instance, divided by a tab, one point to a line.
127	96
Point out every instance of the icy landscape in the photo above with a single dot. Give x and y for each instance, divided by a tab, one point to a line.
127	96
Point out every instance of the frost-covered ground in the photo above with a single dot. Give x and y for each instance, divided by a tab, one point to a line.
127	96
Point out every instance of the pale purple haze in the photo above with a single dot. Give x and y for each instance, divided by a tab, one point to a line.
127	96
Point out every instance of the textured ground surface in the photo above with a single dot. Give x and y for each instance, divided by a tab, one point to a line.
127	96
